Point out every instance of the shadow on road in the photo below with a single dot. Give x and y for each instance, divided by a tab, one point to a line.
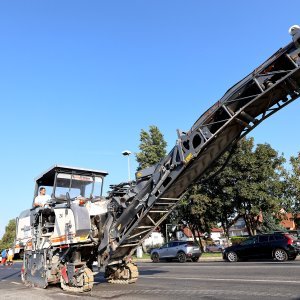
151	272
10	275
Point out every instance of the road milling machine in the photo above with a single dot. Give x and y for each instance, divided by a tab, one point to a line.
79	226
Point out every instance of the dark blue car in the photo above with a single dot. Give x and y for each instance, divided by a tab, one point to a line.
279	246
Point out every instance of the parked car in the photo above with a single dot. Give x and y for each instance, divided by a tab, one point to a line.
279	246
180	250
214	248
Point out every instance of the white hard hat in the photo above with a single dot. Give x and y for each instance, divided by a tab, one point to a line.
293	29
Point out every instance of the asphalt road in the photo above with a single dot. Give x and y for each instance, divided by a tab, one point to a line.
203	280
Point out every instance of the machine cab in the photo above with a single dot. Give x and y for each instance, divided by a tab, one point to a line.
64	184
74	199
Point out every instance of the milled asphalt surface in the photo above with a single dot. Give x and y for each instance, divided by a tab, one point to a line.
207	279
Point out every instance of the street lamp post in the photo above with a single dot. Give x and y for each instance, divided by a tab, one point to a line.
127	153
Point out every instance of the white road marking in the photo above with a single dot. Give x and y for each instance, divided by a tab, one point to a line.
221	279
15	282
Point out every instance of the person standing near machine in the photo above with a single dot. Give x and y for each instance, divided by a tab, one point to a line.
4	256
10	256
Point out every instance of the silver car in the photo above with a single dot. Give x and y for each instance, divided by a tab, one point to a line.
180	250
214	248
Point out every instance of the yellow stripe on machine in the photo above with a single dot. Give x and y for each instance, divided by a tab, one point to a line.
188	158
83	237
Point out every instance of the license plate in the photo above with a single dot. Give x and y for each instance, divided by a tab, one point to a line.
196	248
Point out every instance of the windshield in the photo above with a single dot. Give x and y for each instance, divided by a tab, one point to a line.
77	186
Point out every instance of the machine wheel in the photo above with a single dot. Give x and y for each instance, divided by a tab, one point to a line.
181	257
232	256
155	257
88	282
280	255
122	274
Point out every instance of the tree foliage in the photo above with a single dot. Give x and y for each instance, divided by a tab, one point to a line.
256	185
292	178
248	185
152	146
196	211
9	235
270	223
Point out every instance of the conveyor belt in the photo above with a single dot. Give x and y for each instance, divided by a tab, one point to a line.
269	88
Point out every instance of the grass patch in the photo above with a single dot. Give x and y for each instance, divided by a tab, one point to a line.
145	256
216	254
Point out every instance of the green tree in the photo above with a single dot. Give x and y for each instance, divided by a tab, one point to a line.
250	183
218	189
256	181
270	223
292	178
152	146
196	211
9	235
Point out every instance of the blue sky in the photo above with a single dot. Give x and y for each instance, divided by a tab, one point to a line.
80	79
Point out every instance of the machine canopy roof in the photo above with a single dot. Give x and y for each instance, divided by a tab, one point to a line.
47	178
